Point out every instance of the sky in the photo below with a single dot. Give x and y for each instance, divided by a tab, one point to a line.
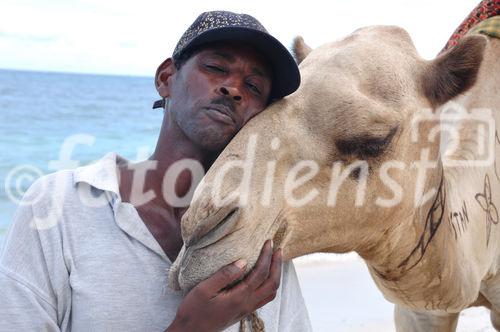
133	37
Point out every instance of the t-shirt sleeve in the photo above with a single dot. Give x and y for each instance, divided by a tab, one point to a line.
293	312
23	308
35	292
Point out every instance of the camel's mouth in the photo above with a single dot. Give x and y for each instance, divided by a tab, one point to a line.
202	239
223	228
212	225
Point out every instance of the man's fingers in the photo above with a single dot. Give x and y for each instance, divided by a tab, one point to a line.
265	301
269	288
260	271
271	285
223	278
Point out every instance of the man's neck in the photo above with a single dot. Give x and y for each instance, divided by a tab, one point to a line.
172	146
142	185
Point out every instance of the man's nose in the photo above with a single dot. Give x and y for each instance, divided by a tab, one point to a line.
230	92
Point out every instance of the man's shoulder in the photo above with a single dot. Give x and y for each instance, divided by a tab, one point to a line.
72	186
48	184
66	198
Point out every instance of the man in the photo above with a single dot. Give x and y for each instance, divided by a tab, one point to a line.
89	249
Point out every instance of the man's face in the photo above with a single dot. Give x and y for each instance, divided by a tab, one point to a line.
217	91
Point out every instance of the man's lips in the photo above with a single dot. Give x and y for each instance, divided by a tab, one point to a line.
220	113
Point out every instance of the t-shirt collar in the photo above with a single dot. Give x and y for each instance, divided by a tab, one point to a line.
102	174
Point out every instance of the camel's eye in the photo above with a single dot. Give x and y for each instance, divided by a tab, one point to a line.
365	147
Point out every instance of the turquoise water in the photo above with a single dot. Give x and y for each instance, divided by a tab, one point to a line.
39	111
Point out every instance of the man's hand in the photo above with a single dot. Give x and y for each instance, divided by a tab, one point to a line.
208	307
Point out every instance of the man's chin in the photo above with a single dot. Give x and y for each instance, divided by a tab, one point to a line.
210	136
213	140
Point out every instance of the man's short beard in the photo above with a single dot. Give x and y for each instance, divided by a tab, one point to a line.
208	139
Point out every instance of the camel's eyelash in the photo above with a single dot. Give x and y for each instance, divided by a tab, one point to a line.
365	147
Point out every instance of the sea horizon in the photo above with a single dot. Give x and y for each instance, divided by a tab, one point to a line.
55	71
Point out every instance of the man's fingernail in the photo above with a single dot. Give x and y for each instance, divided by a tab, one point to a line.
272	244
241	263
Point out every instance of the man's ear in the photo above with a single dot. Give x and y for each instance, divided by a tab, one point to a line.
163	73
455	71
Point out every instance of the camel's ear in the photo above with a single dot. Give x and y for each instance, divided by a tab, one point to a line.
300	49
455	71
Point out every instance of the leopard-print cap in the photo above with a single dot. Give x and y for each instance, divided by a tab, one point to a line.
213	21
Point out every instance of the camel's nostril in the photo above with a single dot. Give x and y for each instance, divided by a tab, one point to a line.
215	227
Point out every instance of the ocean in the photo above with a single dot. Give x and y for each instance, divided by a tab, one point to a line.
98	114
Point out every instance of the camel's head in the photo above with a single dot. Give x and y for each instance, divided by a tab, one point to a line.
331	167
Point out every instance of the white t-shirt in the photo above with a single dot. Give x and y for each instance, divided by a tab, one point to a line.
76	258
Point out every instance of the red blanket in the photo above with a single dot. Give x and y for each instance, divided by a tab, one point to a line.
483	11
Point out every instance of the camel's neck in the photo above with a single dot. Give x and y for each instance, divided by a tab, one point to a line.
451	249
456	236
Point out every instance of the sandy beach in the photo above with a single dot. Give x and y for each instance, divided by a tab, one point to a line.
341	297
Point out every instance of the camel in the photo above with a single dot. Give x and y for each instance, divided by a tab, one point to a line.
335	167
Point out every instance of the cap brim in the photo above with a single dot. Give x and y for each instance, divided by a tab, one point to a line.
285	71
